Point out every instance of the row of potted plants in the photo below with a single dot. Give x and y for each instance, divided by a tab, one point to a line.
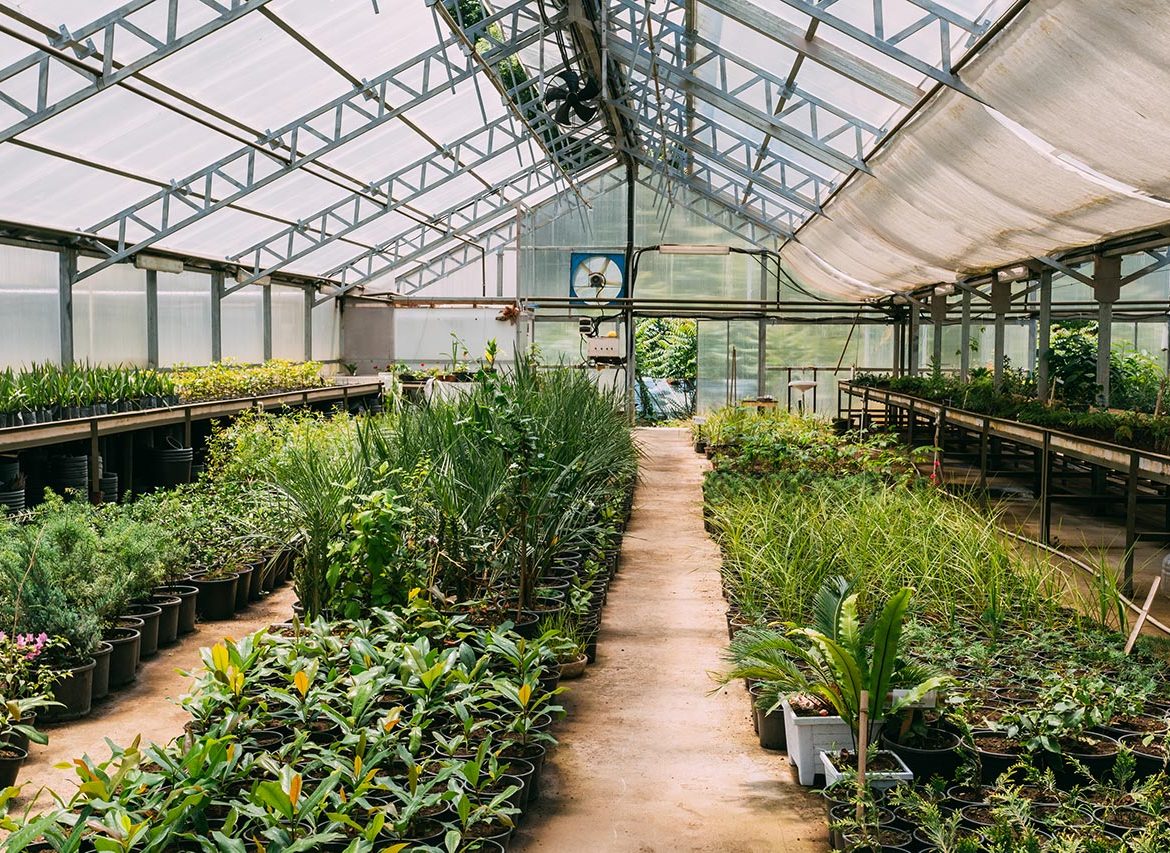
412	729
977	672
490	504
44	393
1017	401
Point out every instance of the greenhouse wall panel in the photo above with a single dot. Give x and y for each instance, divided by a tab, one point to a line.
28	306
184	319
242	316
109	316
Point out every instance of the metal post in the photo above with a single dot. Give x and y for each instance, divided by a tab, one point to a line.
983	448
762	342
152	318
266	310
217	315
965	338
1044	335
631	219
1107	290
1046	489
912	349
1001	302
938	318
1131	500
500	273
310	297
67	273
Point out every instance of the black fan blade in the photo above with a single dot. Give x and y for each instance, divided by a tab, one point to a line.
585	112
589	90
556	93
564	114
571	79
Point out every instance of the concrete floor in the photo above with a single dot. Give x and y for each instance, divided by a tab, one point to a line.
148	708
649	759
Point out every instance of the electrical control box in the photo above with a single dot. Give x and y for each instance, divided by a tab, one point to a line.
606	350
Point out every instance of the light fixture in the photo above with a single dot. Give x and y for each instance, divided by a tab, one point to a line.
242	276
681	249
157	263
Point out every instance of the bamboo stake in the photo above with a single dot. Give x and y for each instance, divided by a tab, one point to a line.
862	751
1141	620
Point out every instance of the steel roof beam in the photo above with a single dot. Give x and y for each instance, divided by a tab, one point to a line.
822	52
57	71
748	175
707	133
401	187
310	137
466	215
876	38
719	94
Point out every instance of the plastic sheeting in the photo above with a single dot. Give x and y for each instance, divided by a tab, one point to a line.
1067	149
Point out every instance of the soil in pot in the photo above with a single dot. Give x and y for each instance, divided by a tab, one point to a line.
187	595
123	655
150	615
1150	758
936	753
101	672
1095	753
168	621
996	752
217	597
1121	820
74	692
11	760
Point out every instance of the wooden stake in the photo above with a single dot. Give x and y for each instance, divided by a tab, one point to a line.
1141	620
862	751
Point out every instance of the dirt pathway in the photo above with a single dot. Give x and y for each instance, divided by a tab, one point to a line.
147	707
648	760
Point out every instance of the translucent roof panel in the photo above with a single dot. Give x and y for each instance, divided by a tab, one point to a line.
318	135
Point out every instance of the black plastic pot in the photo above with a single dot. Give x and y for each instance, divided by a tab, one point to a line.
124	655
11	760
108	486
9	469
150	615
243	587
170	466
992	763
1146	764
101	672
73	692
188	595
168	621
1064	764
69	473
217	597
12	501
942	761
256	580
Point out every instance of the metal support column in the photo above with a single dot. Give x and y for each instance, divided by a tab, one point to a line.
938	319
152	318
965	338
1131	505
266	310
500	273
1001	303
762	339
216	316
67	272
1044	335
631	200
1107	290
912	349
1046	489
310	298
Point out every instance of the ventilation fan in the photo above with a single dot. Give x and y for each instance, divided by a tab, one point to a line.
576	92
597	280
